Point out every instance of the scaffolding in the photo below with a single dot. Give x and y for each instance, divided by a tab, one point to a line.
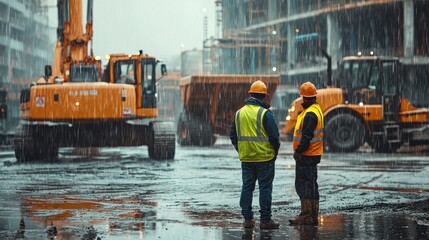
257	11
242	52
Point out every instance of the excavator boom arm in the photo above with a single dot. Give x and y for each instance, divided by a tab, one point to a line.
72	46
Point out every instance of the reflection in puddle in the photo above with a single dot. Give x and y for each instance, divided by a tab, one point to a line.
71	216
220	219
350	226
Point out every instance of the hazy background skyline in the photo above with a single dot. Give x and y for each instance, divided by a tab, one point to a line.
162	28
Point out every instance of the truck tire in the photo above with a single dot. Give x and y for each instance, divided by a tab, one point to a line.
29	147
194	131
161	142
183	137
344	133
201	135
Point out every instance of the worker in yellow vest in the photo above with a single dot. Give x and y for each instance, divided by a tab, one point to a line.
308	150
255	136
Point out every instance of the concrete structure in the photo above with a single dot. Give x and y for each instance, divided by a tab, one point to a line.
25	47
191	62
288	35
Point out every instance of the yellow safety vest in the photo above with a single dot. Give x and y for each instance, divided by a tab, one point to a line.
253	144
316	144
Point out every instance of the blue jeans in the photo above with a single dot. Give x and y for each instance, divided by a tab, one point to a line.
264	173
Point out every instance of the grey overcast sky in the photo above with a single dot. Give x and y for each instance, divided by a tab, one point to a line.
162	28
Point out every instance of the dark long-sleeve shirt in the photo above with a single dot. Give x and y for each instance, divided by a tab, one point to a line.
268	122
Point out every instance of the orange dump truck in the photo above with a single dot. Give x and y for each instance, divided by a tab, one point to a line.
210	102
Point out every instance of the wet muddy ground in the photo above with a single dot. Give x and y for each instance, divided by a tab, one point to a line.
119	193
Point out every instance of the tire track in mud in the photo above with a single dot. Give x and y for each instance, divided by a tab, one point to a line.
354	186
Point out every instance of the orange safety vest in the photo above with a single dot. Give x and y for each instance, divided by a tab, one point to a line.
316	144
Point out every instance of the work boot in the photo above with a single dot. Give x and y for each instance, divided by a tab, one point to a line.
315	211
249	223
306	215
269	225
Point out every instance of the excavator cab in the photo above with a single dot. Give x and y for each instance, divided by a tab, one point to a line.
138	70
148	81
124	72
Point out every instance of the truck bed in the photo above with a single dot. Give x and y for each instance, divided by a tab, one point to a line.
216	98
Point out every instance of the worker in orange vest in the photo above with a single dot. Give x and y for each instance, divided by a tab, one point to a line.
308	150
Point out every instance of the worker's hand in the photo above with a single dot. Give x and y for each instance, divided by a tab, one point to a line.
296	156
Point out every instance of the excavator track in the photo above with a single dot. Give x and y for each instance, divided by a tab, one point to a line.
31	145
162	141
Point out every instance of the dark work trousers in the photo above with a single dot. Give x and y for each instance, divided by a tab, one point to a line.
306	178
264	173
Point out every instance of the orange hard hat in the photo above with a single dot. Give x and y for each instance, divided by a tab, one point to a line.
308	90
258	87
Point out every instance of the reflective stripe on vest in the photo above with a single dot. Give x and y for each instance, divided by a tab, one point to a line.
253	142
316	143
258	137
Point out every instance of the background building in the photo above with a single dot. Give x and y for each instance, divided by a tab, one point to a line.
25	47
191	62
286	36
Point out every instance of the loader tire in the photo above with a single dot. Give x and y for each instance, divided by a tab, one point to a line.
161	142
344	133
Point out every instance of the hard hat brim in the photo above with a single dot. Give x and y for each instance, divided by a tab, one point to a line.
309	96
259	93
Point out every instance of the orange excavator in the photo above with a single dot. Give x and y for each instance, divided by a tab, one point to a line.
76	104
